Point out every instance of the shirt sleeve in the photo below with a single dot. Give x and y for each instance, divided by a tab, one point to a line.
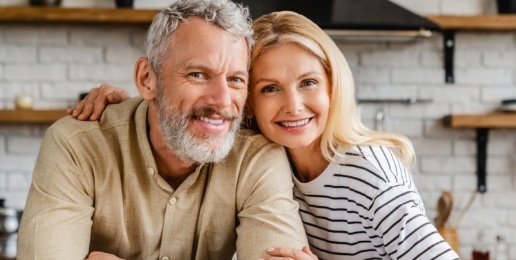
268	215
56	223
407	232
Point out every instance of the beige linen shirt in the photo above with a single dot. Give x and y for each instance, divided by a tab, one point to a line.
96	188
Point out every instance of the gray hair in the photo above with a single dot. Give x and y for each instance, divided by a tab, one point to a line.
232	17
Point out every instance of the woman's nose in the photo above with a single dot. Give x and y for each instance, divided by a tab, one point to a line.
293	103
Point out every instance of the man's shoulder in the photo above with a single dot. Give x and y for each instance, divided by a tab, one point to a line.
250	139
114	115
252	146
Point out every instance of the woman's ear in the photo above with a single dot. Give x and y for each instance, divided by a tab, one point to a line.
145	78
249	111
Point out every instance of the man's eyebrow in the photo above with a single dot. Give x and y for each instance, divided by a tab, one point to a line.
243	73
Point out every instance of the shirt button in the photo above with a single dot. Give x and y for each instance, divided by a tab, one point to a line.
165	258
151	171
173	201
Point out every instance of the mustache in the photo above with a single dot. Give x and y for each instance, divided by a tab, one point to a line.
208	111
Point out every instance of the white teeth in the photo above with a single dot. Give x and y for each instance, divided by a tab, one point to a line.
211	121
295	124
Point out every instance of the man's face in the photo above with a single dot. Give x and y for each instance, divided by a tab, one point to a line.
201	91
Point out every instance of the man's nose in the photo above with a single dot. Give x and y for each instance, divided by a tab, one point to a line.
219	93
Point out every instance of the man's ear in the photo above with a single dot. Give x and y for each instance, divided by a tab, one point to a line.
145	78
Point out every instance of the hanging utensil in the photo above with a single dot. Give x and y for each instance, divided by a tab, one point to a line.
444	208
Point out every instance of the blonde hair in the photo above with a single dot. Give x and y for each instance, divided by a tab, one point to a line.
344	126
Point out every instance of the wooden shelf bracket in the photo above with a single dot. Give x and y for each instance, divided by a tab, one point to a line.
449	52
482	136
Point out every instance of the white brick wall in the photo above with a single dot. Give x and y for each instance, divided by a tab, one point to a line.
55	63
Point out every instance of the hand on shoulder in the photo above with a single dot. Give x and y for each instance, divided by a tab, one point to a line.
277	253
94	104
101	256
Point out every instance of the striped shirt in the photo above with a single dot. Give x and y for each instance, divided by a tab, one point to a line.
367	207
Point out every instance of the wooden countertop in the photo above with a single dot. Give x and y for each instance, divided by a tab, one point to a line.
493	120
31	116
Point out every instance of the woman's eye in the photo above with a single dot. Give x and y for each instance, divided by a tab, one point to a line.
308	83
268	89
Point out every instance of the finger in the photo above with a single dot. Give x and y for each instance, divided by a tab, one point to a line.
78	109
283	251
276	258
309	252
120	95
106	95
98	106
117	97
106	89
291	253
101	256
86	110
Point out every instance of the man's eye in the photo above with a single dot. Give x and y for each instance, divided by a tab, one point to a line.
236	80
268	89
196	75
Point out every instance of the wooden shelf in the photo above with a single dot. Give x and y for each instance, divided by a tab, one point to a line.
77	15
31	116
145	16
495	120
482	124
477	22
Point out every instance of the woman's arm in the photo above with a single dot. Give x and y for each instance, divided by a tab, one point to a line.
93	105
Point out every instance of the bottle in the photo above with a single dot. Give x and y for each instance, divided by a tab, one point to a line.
501	250
480	250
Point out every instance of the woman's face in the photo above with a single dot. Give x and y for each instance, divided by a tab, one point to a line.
289	96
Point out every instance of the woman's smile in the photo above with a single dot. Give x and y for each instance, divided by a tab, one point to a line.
297	125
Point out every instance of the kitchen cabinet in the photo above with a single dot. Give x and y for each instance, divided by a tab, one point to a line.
482	124
31	116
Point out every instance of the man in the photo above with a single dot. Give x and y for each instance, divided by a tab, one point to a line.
168	176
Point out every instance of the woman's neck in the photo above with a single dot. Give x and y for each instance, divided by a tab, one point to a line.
307	162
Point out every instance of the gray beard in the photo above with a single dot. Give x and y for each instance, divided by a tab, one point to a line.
208	148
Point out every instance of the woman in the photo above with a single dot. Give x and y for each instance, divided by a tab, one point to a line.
356	196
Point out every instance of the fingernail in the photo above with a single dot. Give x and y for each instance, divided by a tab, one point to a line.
91	117
270	249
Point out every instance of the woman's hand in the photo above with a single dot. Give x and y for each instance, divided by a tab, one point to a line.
283	253
92	106
101	256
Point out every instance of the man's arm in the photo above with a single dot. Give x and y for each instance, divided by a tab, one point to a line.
56	223
268	215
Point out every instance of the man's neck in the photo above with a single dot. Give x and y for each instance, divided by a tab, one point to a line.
170	167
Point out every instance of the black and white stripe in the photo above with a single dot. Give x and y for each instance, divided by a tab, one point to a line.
367	207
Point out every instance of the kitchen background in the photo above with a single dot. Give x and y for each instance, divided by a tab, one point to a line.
55	62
